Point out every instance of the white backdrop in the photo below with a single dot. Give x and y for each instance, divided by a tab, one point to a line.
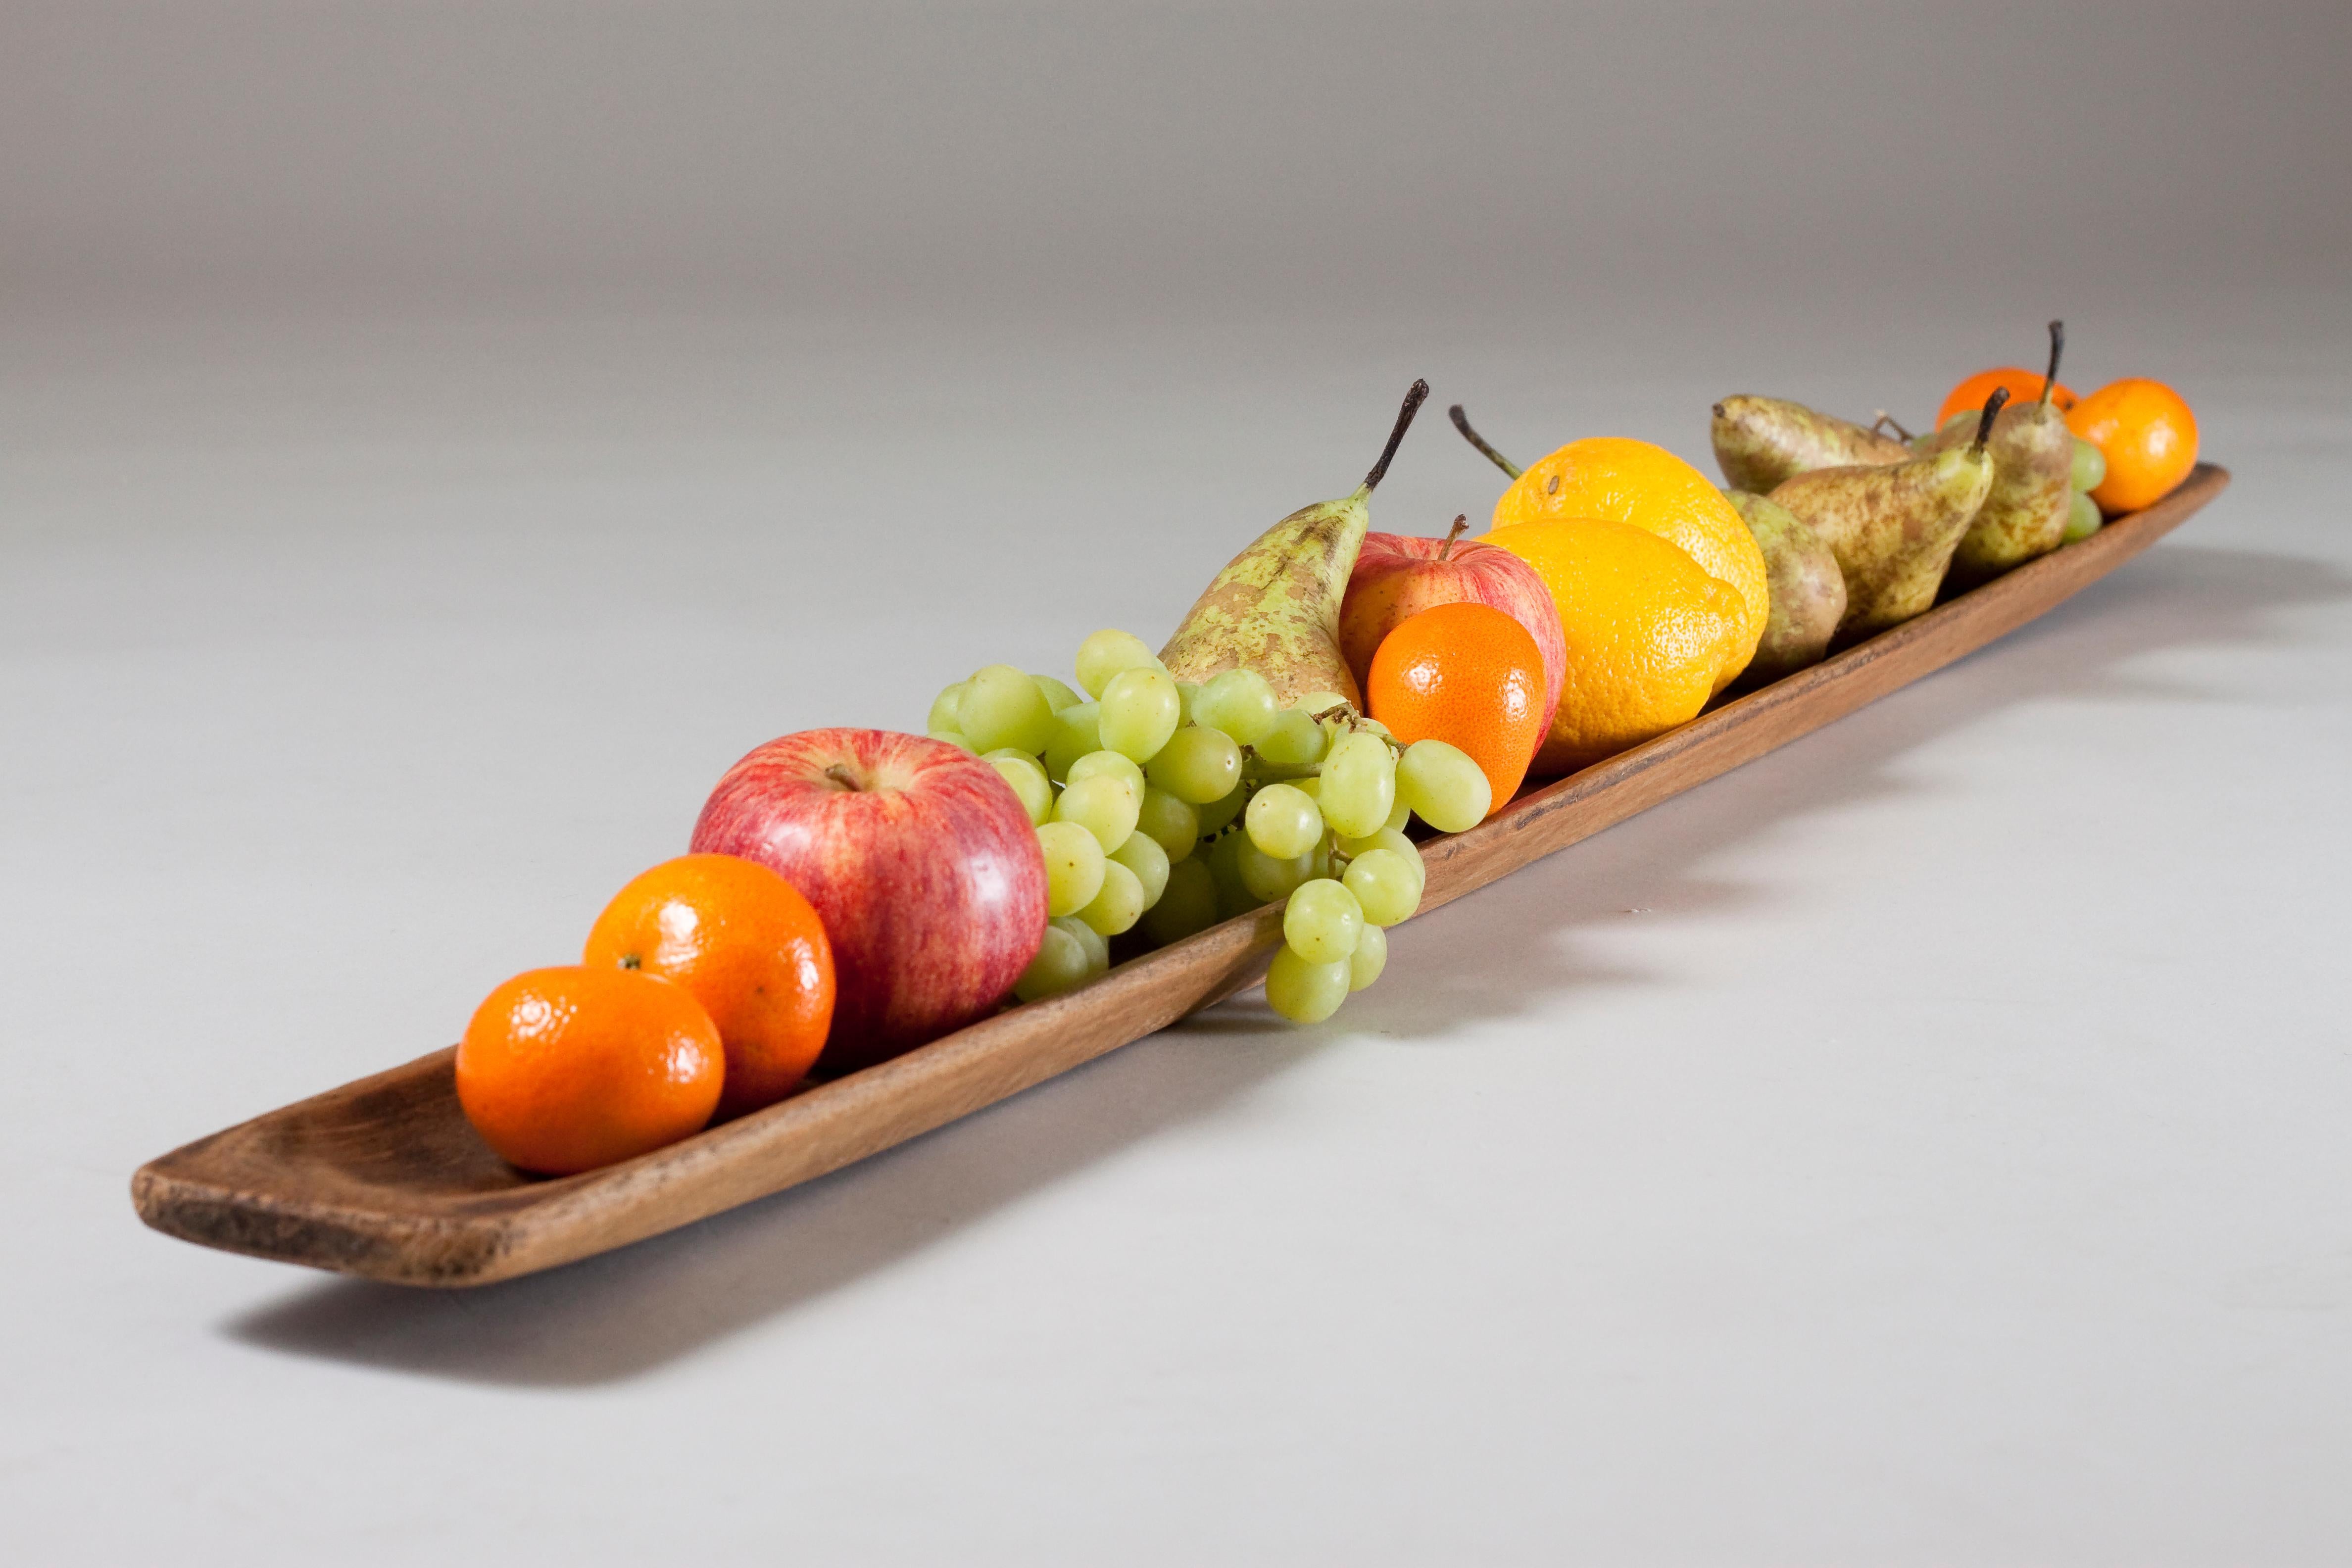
439	439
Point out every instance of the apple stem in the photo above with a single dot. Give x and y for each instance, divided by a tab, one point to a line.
2057	347
1415	395
1460	521
1462	423
842	774
1984	424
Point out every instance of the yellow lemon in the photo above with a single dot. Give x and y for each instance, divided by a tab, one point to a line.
1633	481
1649	634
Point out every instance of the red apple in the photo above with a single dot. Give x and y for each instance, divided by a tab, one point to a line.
1398	575
921	861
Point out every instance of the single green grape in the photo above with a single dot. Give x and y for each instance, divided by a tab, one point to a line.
1187	905
1304	992
1198	766
1296	740
1073	867
1371	956
1283	822
943	707
1075	736
2090	466
1138	711
1187	693
2082	517
1096	764
1322	921
1399	814
1225	867
1141	854
1386	887
1058	695
1359	785
1172	824
1060	965
1118	905
1105	653
1026	775
1002	707
1239	702
1392	839
952	737
1105	806
1218	812
1443	786
1267	877
1097	949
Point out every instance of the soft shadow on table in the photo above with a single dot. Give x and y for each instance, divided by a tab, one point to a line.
1507	950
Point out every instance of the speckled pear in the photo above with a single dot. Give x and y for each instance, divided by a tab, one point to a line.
1807	589
1276	606
1893	528
1763	442
2025	512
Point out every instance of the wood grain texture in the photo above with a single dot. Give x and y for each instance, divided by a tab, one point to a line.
383	1177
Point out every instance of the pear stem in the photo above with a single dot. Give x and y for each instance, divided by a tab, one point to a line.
1460	521
1415	396
1891	423
1462	423
1984	425
2057	347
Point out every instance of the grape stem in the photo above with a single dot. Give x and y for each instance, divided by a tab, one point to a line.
1462	423
1460	521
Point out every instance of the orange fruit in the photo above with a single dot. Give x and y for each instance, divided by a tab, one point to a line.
1467	674
744	945
1648	633
1635	482
566	1069
2024	387
2147	435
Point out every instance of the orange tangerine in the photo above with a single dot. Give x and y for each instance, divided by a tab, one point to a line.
2024	387
1467	674
566	1069
2146	433
745	944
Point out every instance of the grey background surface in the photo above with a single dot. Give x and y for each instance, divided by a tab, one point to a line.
438	440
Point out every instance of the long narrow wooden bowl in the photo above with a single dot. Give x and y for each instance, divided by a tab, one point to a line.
384	1178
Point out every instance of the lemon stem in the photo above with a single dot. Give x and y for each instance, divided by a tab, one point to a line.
1460	521
1462	423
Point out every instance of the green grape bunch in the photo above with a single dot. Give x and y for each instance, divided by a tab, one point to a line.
1162	807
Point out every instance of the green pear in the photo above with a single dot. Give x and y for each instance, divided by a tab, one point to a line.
2024	513
1806	588
1276	606
1893	527
1763	442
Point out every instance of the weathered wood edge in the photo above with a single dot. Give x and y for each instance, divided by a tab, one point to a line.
191	1193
